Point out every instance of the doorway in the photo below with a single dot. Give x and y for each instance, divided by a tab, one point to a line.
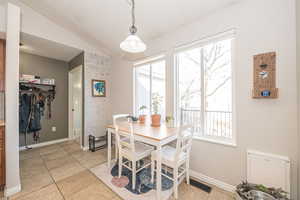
75	104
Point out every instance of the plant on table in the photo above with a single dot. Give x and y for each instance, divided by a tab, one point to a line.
142	117
156	104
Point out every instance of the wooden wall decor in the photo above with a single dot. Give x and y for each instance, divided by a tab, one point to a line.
264	76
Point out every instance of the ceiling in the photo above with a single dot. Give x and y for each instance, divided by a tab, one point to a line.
46	48
106	22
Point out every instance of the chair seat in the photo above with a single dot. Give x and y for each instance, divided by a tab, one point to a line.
141	149
168	155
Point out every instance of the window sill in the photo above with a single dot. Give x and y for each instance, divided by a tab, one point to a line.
214	141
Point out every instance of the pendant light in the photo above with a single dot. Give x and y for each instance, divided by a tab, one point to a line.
133	44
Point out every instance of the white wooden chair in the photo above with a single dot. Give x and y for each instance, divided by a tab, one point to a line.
176	158
130	149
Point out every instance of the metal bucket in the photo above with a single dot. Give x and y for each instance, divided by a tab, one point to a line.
258	195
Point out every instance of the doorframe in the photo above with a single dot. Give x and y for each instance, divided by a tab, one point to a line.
70	107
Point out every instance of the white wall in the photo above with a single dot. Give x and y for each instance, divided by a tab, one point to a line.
12	99
264	125
97	109
2	17
36	24
298	76
122	86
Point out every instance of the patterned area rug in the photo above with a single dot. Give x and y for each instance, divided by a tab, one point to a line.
105	175
143	180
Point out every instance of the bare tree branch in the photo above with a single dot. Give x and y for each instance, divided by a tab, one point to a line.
219	86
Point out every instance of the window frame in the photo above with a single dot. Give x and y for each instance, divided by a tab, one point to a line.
198	44
148	61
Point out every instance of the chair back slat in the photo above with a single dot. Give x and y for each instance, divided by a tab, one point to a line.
122	119
184	141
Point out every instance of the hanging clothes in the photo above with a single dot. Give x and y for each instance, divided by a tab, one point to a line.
31	112
32	104
24	112
37	110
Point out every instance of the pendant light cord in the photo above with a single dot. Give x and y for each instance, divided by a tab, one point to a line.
133	29
132	12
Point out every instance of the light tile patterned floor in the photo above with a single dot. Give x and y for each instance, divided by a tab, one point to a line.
61	172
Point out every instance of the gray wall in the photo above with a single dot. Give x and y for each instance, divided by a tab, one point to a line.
76	61
49	68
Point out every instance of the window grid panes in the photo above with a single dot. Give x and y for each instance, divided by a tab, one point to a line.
204	89
150	85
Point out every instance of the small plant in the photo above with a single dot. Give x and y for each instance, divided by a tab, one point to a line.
156	102
142	109
169	118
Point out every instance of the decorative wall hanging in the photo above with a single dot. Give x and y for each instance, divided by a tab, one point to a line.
264	76
98	88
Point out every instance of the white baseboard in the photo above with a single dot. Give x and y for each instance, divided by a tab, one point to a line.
44	143
85	148
11	191
212	181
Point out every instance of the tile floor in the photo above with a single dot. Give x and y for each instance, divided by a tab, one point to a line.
61	172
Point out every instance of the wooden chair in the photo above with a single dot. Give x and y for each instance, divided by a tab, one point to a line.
176	158
130	149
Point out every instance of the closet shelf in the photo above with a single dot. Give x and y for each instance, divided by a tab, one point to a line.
36	88
37	84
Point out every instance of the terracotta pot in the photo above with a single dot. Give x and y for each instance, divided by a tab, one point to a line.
142	119
155	120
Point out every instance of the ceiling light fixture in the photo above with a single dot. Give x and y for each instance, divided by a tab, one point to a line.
133	43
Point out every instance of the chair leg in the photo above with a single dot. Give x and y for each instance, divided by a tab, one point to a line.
175	176
187	165
120	164
152	170
116	151
133	174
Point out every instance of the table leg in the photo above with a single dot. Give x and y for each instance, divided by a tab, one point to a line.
158	173
108	148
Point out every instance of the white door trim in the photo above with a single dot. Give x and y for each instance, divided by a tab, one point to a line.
70	97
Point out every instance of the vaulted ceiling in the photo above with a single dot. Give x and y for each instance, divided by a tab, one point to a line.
106	22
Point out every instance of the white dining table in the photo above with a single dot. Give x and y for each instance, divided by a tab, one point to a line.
155	136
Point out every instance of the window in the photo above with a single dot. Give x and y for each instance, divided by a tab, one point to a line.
150	85
204	90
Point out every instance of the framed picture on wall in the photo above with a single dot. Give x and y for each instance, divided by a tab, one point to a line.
98	88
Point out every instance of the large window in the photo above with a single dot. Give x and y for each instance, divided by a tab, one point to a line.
204	90
150	86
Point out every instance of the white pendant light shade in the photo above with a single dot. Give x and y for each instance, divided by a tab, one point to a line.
133	44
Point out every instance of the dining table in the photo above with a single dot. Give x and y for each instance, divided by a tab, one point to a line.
155	136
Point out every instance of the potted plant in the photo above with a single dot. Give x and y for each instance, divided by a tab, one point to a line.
247	190
142	117
156	102
170	121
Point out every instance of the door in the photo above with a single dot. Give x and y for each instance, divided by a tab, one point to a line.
76	103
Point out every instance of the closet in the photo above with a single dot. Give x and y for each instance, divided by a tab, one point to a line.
2	122
44	68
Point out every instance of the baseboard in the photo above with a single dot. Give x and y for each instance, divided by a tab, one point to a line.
11	191
44	143
212	181
84	148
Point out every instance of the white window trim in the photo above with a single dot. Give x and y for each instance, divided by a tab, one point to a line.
197	44
150	61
